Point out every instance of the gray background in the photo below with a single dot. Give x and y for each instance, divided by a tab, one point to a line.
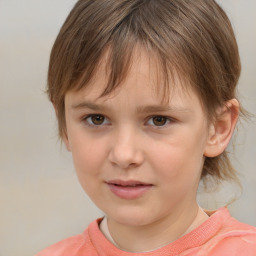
41	201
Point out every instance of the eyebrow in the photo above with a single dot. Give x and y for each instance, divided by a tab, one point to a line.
140	109
161	108
90	105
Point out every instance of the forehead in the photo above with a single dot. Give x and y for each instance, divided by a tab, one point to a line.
143	68
142	86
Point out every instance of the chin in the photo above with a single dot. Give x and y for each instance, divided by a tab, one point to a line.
130	217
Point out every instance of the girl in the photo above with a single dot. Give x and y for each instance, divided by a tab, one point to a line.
144	92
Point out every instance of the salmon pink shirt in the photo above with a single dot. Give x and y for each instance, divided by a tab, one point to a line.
220	235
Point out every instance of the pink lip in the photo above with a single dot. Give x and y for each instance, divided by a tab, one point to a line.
130	189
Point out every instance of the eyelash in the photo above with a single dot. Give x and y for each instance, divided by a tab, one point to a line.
90	123
167	121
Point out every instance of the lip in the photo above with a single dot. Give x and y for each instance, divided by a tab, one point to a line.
130	189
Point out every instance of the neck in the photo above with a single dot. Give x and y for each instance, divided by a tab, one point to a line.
157	234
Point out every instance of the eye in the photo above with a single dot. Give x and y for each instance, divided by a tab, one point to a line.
96	120
158	120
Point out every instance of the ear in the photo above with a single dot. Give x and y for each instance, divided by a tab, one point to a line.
220	132
66	141
64	135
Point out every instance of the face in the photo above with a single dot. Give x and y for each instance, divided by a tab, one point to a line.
138	158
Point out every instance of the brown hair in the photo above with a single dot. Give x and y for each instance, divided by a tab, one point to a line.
193	37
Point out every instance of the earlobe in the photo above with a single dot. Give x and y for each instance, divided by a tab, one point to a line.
220	132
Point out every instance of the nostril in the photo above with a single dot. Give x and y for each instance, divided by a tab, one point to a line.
125	153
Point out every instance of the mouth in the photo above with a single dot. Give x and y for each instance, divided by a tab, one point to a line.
130	189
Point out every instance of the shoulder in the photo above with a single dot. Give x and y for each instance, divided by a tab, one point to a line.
78	245
233	237
66	247
234	228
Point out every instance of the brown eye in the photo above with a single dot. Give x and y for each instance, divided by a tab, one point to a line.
96	119
159	120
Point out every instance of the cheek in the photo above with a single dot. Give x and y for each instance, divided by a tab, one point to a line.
88	155
179	172
88	161
179	159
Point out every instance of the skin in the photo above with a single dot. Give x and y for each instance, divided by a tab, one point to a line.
127	143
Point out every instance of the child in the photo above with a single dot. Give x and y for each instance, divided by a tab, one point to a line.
144	92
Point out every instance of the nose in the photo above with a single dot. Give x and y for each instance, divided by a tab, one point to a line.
126	151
